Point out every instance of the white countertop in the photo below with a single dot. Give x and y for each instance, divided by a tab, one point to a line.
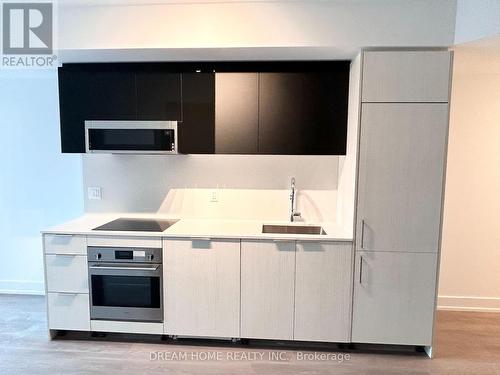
210	228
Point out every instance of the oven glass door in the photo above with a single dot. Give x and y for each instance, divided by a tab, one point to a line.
129	292
126	291
131	139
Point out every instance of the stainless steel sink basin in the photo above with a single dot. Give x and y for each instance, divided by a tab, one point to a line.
293	229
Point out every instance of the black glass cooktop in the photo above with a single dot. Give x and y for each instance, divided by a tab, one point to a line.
137	225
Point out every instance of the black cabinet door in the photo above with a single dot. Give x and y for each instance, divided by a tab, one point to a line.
73	101
113	93
303	113
93	92
236	113
288	108
197	129
158	94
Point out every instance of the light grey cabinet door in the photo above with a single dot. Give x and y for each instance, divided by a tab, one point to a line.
323	284
406	76
400	180
202	287
394	298
267	289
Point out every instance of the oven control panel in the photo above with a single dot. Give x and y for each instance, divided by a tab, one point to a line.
124	254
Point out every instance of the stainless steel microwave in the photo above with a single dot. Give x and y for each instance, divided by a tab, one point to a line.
131	137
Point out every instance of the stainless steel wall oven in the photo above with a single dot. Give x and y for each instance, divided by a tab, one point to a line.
125	283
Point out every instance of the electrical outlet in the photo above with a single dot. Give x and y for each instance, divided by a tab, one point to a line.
214	195
94	193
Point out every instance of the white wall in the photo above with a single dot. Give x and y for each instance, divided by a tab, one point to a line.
470	261
347	164
342	25
477	19
249	186
39	186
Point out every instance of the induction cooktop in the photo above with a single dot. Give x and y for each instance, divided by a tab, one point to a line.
137	225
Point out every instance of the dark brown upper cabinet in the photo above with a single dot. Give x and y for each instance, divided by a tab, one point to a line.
303	113
294	113
158	94
222	107
93	94
197	129
237	113
114	92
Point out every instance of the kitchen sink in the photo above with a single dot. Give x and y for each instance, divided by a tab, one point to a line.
293	229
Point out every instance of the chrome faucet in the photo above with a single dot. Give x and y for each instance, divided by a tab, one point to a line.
293	212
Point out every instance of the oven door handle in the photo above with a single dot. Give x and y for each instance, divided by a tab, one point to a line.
123	268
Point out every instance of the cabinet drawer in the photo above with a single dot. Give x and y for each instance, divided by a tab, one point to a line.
69	311
64	244
67	273
127	327
150	242
406	76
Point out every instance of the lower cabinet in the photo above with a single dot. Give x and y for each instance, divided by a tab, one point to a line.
66	280
202	287
394	298
267	289
286	290
261	289
69	311
323	284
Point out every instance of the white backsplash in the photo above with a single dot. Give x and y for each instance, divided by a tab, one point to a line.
273	205
247	186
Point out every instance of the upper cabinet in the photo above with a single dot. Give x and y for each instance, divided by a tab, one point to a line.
294	113
406	76
87	93
237	113
114	92
158	94
223	108
197	130
303	113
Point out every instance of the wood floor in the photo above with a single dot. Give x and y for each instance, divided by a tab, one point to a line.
467	343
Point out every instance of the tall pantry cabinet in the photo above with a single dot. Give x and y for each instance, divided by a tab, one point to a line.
401	166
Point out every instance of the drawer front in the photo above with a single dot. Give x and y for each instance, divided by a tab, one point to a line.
127	327
67	273
69	311
150	242
65	244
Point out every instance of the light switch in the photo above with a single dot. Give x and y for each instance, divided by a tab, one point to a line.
94	193
214	195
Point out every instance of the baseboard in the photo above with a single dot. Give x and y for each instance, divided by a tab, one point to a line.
465	303
22	287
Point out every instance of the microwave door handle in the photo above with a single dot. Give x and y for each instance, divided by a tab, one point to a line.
124	268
